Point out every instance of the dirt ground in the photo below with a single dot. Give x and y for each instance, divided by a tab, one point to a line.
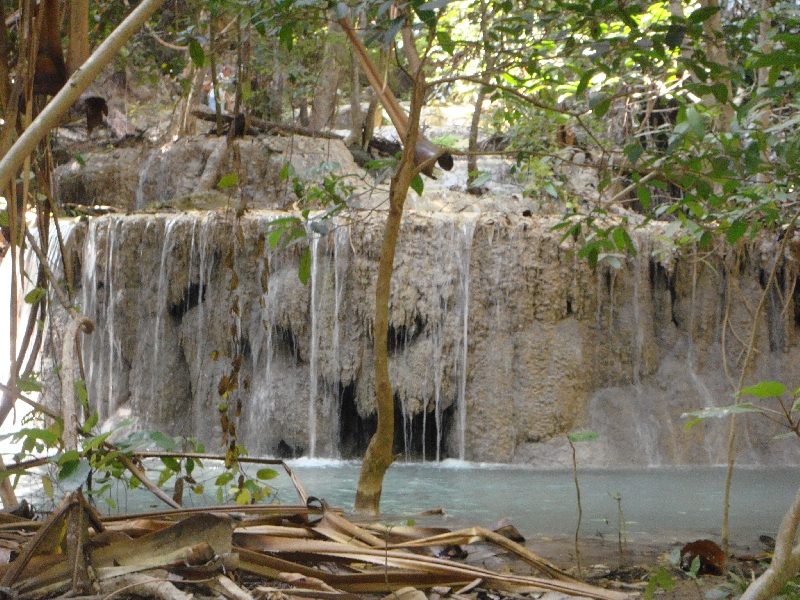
630	570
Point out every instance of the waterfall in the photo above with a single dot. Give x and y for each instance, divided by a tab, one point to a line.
467	231
162	296
341	242
313	243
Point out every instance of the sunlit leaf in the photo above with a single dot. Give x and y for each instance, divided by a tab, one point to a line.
228	180
35	295
765	389
243	497
266	474
29	385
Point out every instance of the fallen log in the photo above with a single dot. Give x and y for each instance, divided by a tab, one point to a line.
269	126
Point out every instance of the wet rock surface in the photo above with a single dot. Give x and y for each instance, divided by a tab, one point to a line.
502	341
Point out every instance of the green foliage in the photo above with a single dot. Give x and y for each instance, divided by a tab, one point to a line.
583	436
660	579
326	200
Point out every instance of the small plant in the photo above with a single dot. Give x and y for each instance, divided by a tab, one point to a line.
330	198
622	536
574	438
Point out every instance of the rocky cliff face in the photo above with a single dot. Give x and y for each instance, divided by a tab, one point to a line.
501	341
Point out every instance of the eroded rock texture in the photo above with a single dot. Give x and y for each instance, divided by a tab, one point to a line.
501	341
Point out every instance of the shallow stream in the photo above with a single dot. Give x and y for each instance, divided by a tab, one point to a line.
671	504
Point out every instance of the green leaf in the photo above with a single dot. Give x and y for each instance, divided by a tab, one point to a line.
675	35
224	479
583	436
736	230
661	579
73	474
35	295
643	192
286	36
417	184
601	108
243	497
703	14
228	180
720	92
619	237
47	484
266	474
694	569
765	389
695	122
197	54
29	385
4	218
97	441
80	389
171	463
304	271
633	151
481	177
162	441
109	502
719	412
446	42
584	83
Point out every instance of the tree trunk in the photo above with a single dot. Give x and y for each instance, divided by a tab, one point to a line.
323	105
378	457
78	50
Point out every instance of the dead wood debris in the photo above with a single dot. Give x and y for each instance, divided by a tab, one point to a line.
269	552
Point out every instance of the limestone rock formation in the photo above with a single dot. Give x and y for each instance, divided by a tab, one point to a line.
501	340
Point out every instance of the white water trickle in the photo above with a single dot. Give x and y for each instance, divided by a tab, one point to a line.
637	320
441	287
467	230
110	305
89	300
341	241
161	296
313	243
145	170
204	281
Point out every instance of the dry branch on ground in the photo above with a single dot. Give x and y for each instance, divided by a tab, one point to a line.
252	552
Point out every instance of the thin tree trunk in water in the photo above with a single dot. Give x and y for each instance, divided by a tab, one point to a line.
378	457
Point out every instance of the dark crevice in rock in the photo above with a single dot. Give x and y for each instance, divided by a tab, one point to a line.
355	431
194	294
285	451
401	336
409	434
286	345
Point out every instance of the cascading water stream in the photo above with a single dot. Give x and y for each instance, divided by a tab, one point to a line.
467	232
161	296
313	243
